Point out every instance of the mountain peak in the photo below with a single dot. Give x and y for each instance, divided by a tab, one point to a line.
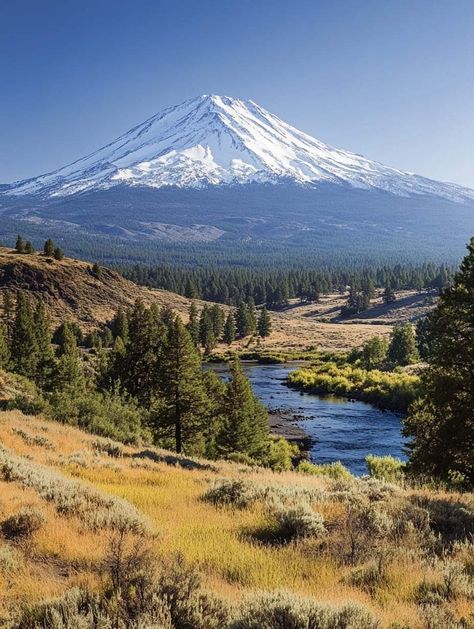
221	140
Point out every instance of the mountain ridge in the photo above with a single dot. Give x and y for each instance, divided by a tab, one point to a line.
216	140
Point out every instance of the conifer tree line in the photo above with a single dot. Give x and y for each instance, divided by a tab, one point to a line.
49	249
274	288
152	372
212	325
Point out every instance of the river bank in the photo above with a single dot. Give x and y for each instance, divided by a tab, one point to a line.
339	429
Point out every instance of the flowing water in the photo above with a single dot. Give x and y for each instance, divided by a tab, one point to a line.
342	430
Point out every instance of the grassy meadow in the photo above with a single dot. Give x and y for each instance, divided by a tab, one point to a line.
394	550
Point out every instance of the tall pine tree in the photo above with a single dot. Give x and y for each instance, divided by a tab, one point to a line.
24	346
184	400
441	424
45	364
245	424
264	323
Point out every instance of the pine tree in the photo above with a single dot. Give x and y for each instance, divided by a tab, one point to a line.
374	352
191	291
107	337
96	270
69	373
185	402
229	329
137	370
402	349
24	348
48	248
441	424
245	424
20	244
29	249
252	313
45	365
58	254
264	323
242	320
388	294
206	330
120	326
8	313
4	347
193	324
218	320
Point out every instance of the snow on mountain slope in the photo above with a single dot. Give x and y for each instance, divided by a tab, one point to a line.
214	140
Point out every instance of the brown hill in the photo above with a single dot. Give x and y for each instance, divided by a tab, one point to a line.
72	291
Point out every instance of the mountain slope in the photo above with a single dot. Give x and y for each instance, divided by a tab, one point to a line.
214	140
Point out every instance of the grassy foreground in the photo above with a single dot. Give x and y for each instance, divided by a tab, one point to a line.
402	553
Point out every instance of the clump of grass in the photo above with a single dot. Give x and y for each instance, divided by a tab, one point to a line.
72	498
23	524
281	609
34	440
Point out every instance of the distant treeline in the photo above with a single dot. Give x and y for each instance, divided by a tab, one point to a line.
274	287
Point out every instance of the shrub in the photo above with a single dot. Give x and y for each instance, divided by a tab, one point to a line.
450	518
105	414
23	524
297	522
283	610
72	498
335	470
173	599
363	528
441	618
387	468
391	390
34	440
455	582
369	577
76	608
280	454
235	492
108	447
189	605
8	560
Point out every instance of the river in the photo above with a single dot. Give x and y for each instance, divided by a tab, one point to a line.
342	430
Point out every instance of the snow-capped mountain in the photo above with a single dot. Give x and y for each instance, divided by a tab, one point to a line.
218	140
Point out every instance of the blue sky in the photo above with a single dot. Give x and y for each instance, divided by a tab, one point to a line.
391	79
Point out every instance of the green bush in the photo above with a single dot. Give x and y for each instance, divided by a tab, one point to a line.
104	414
335	470
395	391
280	454
387	468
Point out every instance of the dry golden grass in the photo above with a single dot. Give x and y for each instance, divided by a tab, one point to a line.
218	539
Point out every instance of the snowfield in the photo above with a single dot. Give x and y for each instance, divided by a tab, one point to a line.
218	140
